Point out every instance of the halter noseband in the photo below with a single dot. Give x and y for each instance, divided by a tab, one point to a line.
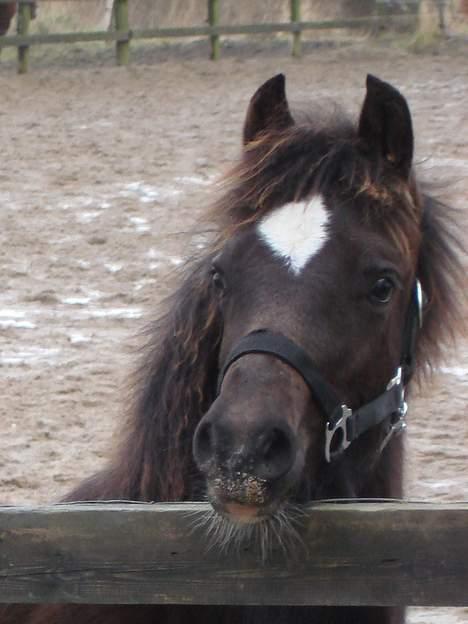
343	424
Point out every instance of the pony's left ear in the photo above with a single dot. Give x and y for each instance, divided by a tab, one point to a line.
385	124
268	109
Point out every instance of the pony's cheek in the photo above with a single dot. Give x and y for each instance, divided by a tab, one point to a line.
312	436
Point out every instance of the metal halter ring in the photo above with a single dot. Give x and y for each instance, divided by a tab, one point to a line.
336	435
420	302
397	426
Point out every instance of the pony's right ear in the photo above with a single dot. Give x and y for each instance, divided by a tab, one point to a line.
268	109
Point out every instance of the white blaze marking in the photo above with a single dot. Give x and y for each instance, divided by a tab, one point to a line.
296	231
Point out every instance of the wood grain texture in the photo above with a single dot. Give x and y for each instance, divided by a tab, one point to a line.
352	554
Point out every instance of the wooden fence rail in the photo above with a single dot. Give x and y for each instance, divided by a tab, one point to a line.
351	554
123	34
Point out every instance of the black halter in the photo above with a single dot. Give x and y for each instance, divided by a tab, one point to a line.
343	424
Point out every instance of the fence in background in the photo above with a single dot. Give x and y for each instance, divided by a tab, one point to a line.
366	553
122	34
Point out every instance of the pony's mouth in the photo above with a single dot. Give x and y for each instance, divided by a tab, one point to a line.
241	505
237	527
241	513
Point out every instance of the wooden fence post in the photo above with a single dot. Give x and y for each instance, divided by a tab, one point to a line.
24	20
441	6
213	20
295	18
122	25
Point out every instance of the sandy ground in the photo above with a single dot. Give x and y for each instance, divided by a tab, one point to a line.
105	173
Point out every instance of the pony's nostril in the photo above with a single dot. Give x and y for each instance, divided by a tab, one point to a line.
275	454
203	444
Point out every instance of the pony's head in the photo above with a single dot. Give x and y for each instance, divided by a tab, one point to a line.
278	374
317	287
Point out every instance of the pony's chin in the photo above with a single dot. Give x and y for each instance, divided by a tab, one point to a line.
243	514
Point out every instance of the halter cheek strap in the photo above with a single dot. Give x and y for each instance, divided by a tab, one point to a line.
343	425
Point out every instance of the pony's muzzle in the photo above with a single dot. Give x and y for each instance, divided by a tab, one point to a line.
243	462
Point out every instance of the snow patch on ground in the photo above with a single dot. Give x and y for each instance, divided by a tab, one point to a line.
148	193
457	371
30	356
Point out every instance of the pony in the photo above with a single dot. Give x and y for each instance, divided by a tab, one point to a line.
279	373
8	11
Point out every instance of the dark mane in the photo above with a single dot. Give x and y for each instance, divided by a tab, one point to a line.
175	381
442	276
171	389
286	165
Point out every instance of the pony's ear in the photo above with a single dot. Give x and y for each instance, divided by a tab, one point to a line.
268	109
385	124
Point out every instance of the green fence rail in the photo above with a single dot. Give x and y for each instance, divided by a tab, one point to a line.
122	33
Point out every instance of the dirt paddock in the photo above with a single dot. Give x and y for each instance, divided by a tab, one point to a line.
105	174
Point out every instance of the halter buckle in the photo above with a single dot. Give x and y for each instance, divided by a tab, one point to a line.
338	428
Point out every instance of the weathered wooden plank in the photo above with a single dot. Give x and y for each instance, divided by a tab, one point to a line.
353	554
274	27
247	29
197	31
72	37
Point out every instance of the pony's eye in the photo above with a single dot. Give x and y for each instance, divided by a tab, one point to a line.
217	279
382	290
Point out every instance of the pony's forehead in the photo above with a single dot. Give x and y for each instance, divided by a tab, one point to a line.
296	231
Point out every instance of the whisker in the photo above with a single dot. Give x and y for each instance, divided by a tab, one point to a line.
200	519
281	532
